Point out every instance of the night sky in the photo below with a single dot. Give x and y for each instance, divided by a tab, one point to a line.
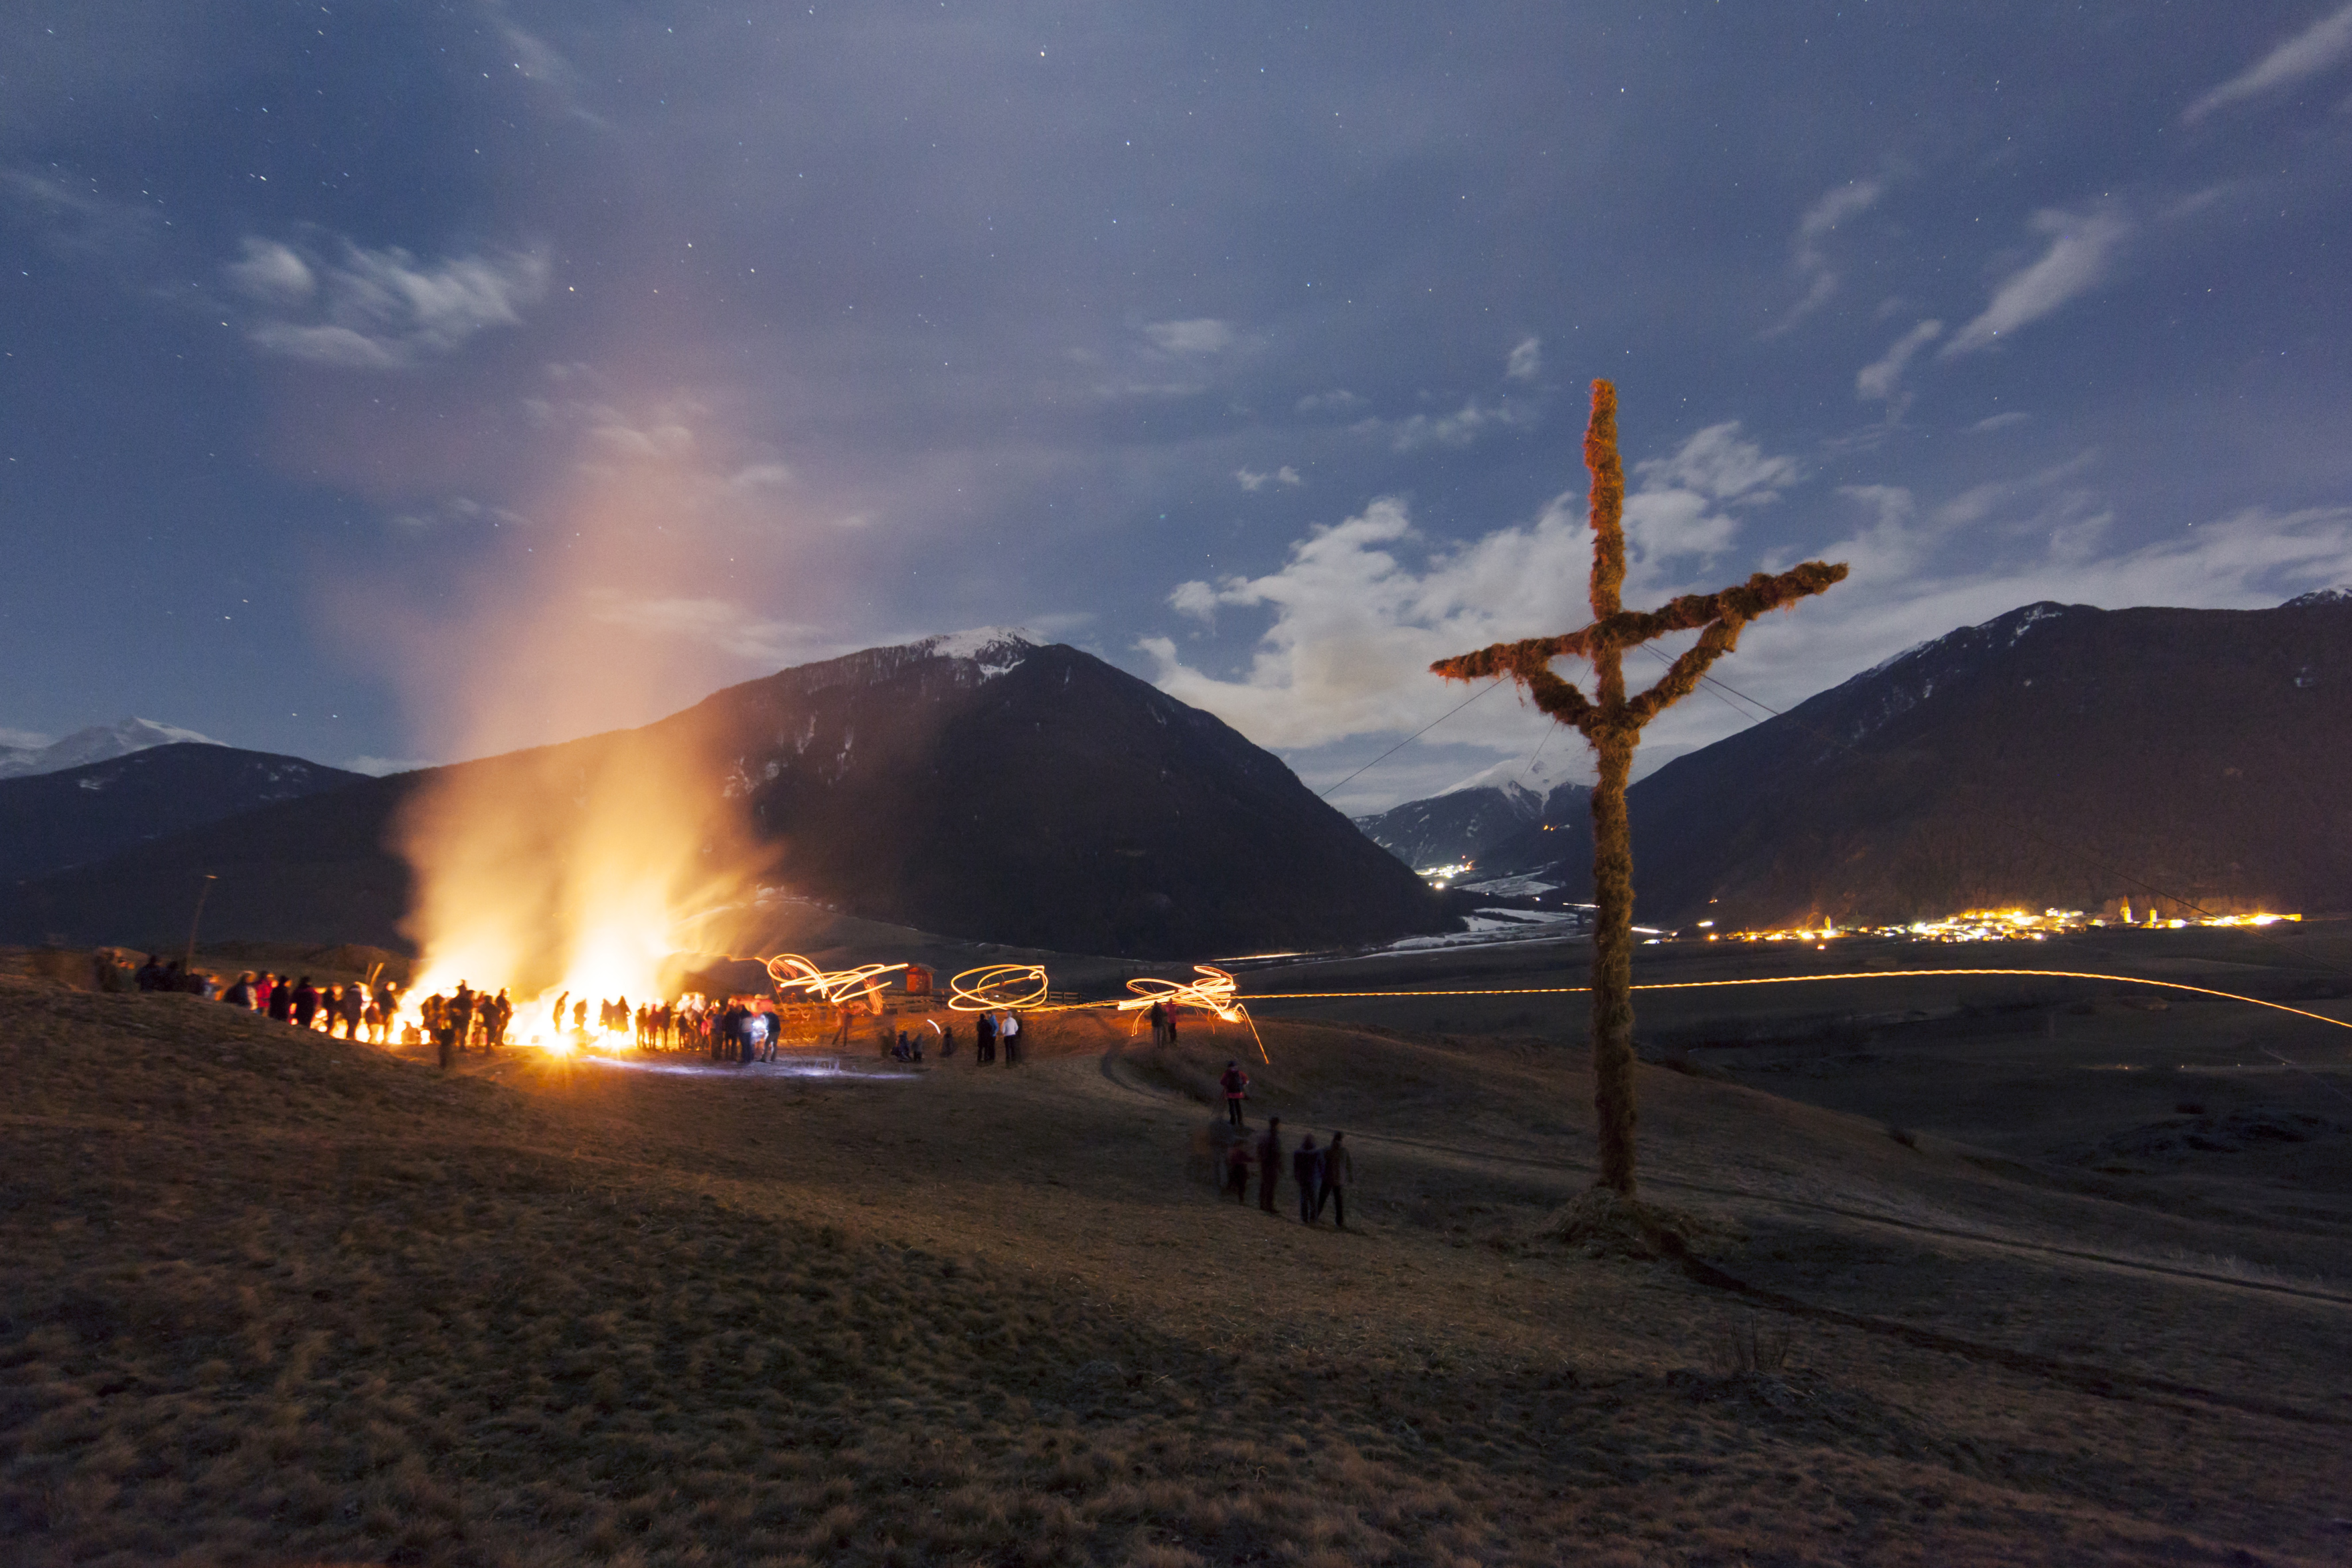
397	383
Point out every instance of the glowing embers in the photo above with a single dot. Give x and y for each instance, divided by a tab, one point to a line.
1213	992
841	987
993	987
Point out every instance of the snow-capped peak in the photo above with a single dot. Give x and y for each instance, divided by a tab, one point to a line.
98	743
979	642
1539	775
996	649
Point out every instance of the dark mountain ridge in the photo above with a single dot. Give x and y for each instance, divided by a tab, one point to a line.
52	820
1498	830
1040	795
979	787
2057	755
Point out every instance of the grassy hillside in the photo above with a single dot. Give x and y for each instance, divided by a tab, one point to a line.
270	1297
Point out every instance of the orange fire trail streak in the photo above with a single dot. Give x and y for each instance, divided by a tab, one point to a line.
983	990
1024	987
1802	979
997	987
842	987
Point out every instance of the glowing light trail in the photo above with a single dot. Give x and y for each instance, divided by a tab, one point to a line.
1805	979
842	987
1025	988
1213	993
994	988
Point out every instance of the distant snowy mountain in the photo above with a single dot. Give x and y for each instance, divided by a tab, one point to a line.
98	743
979	784
81	814
996	649
1469	821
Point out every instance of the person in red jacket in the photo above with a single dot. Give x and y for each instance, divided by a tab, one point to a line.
1236	1087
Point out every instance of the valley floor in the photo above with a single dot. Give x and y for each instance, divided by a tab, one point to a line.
267	1298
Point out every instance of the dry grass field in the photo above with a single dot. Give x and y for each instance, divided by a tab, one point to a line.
267	1297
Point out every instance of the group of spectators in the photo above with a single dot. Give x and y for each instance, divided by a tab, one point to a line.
1321	1175
465	1019
334	1008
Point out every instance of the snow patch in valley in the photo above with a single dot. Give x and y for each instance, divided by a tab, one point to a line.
1509	887
1485	928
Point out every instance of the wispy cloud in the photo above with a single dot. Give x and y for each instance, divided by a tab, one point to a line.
1357	622
1526	361
1204	335
1254	482
1809	256
2324	45
1339	400
712	622
76	218
2082	252
1466	425
378	310
1879	380
458	511
1361	608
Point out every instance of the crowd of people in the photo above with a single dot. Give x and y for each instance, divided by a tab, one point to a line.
464	1020
736	1029
741	1030
1321	1175
347	1009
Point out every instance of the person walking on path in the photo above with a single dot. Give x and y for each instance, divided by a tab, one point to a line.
1306	1170
1235	1083
1339	1175
1269	1163
1237	1164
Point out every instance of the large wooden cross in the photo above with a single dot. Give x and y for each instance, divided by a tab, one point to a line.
1611	724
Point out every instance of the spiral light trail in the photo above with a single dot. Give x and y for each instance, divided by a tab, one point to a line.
1214	993
842	987
995	987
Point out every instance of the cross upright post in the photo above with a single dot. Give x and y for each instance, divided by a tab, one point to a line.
1611	724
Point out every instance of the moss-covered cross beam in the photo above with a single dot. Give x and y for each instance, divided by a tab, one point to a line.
1612	724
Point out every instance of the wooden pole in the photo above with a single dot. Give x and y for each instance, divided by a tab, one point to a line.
1611	725
188	959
